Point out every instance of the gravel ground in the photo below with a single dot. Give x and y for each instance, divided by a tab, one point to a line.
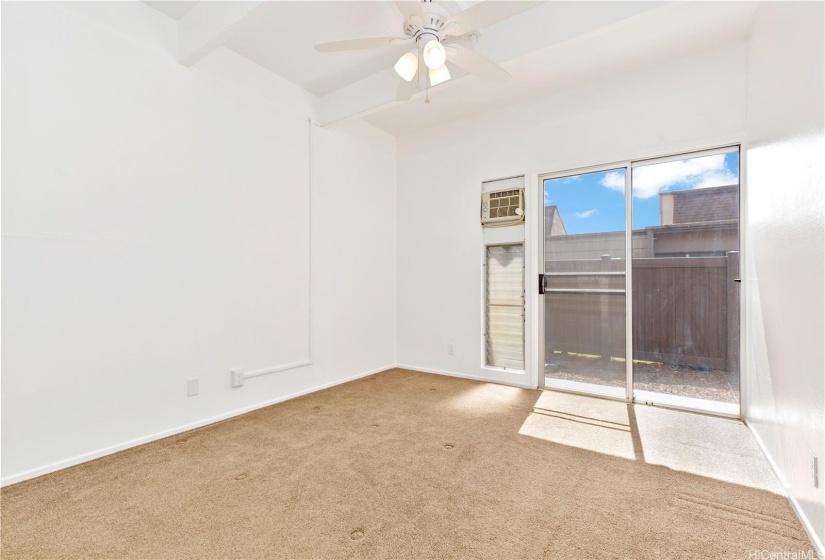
710	384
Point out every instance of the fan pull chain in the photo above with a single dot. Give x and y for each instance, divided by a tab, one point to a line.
427	94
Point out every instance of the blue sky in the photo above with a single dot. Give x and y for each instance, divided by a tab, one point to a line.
594	202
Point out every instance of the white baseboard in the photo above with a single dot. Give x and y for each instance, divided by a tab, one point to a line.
525	385
806	523
59	465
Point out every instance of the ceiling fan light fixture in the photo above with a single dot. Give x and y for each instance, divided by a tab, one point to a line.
439	75
434	54
426	27
407	66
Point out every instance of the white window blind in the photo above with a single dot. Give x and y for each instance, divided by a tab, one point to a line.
505	306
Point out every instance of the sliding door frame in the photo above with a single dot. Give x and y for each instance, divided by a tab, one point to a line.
628	166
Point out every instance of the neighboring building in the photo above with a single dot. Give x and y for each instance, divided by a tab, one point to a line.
694	223
553	226
717	204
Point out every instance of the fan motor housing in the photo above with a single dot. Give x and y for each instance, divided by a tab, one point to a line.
434	25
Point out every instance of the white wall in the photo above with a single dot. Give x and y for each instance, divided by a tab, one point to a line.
694	103
784	389
155	229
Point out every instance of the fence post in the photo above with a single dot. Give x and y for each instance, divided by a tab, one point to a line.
733	311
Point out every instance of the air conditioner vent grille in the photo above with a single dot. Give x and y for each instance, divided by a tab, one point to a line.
502	206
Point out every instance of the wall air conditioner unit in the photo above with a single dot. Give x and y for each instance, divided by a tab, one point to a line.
502	208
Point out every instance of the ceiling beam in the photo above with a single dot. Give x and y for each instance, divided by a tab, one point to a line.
210	24
361	98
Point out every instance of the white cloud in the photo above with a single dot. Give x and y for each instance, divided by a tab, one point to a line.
717	179
695	173
614	180
649	180
571	179
586	213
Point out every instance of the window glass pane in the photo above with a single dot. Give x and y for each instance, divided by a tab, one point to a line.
505	306
685	296
584	254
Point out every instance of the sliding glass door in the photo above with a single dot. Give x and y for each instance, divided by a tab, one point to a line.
584	282
686	281
680	222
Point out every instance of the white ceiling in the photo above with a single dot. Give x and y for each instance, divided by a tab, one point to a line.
282	40
282	37
653	37
173	8
557	45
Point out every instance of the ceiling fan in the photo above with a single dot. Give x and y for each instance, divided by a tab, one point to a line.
431	36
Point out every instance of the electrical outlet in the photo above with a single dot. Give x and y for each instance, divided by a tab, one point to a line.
237	377
814	470
192	387
451	349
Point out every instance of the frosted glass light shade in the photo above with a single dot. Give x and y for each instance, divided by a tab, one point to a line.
434	54
439	75
406	66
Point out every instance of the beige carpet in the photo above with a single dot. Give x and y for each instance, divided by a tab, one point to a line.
401	465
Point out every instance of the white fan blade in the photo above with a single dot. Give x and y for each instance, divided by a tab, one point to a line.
360	44
476	64
411	8
485	14
407	89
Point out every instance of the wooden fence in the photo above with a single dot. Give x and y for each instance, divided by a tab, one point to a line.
685	309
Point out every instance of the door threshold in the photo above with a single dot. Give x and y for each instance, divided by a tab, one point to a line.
689	404
672	402
591	389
